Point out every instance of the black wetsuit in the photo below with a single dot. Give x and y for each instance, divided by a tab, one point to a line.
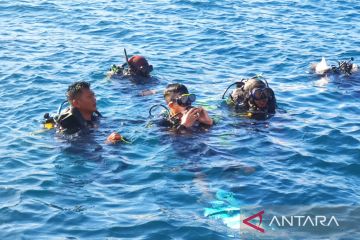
168	122
71	121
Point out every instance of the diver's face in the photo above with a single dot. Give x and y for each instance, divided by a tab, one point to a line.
261	103
174	107
86	101
144	70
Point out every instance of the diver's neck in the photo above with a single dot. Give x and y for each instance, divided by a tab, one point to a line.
86	115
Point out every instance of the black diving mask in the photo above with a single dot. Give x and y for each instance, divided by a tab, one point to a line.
143	70
261	94
185	100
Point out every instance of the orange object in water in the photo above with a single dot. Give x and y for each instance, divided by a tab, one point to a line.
114	137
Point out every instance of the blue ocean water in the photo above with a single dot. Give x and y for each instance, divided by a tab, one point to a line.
162	186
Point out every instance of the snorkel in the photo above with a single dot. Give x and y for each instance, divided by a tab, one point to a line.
117	69
127	58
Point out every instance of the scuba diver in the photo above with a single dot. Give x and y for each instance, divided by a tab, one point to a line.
82	113
181	115
343	67
252	96
81	116
136	68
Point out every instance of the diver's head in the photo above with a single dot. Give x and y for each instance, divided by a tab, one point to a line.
261	96
139	66
254	94
178	98
80	96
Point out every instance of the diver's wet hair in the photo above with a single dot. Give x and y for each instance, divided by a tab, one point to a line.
75	89
173	90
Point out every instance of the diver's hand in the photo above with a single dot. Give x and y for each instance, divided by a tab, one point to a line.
204	117
190	117
114	138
